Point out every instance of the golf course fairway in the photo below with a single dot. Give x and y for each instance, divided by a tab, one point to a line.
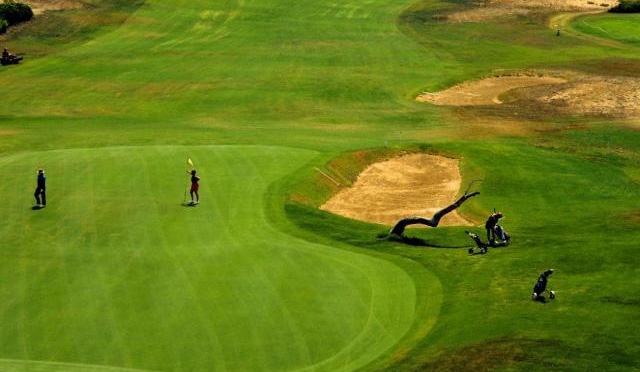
281	104
118	273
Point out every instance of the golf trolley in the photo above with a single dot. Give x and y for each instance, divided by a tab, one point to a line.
541	286
10	59
503	236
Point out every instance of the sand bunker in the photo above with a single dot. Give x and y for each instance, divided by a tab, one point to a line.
485	91
409	185
41	6
491	9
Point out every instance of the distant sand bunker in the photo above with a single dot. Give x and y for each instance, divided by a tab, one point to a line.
41	6
485	91
482	11
408	185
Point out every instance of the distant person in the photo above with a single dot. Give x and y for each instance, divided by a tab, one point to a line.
490	225
194	186
5	53
40	193
541	286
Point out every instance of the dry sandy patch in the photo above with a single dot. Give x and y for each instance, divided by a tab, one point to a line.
561	92
41	6
595	95
408	185
485	91
491	9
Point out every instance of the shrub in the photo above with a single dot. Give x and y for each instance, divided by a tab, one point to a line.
13	12
626	6
3	26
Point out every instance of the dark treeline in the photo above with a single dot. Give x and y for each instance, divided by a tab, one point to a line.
12	13
626	6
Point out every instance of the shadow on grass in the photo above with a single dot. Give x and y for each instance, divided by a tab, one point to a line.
189	204
415	241
36	208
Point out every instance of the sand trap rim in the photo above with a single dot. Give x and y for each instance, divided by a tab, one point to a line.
314	188
474	92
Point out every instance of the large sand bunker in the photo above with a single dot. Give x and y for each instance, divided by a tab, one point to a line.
485	91
408	185
490	9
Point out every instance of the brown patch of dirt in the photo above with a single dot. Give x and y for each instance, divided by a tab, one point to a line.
485	91
594	96
633	217
548	92
491	9
41	6
8	132
408	185
495	355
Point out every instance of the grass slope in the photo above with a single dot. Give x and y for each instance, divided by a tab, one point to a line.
576	215
620	27
116	272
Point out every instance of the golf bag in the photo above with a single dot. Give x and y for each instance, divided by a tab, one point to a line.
504	237
541	286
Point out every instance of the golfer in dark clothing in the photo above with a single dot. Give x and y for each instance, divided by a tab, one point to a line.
40	195
194	186
541	286
490	225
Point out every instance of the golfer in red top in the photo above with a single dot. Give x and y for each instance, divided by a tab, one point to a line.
194	186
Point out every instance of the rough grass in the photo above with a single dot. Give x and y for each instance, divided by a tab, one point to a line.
52	31
494	355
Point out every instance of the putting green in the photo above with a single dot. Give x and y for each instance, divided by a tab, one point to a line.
116	272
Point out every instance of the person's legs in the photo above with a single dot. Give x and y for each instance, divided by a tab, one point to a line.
493	234
197	196
191	193
44	196
36	194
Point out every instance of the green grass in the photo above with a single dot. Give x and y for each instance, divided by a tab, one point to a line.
624	28
574	216
115	274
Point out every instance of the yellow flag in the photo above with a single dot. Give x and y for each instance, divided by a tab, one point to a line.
190	162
